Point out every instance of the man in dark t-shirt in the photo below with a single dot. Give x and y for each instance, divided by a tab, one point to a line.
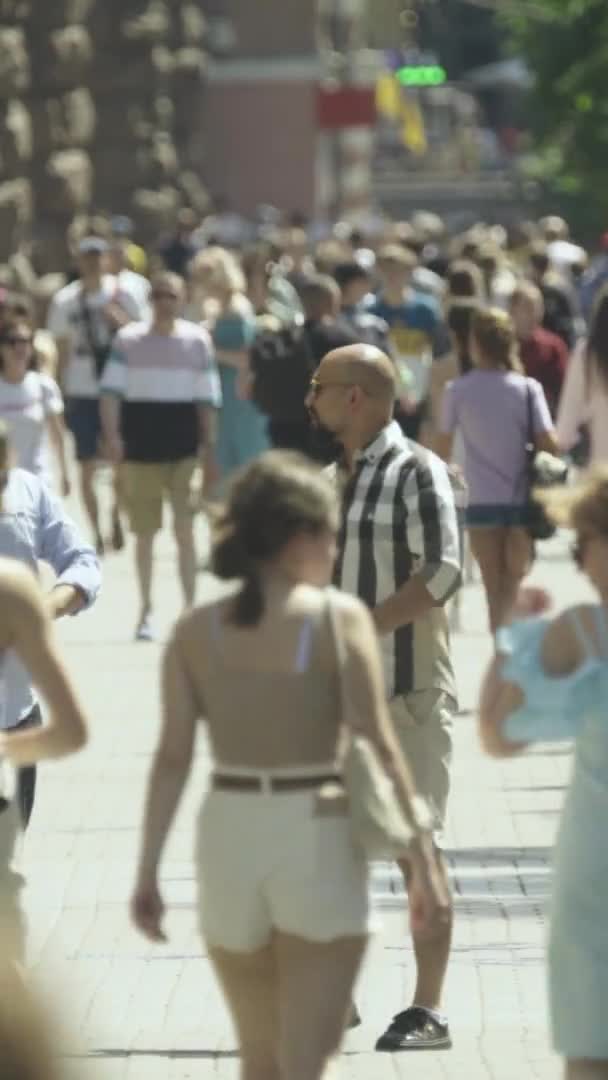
158	395
322	332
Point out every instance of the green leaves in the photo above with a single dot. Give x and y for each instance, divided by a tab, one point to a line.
567	53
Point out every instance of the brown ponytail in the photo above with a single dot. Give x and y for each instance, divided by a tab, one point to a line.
231	559
276	497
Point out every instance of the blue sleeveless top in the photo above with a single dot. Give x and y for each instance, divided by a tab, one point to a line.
555	707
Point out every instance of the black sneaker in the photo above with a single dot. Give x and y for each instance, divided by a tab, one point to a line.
415	1029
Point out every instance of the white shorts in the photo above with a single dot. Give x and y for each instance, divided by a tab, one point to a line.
281	862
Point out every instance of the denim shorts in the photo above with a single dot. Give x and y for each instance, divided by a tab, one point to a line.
82	419
496	515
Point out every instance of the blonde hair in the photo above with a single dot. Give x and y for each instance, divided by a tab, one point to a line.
494	334
218	271
582	506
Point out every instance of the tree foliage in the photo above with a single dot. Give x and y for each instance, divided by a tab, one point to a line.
565	44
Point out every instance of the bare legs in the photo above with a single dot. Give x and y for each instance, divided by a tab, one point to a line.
432	953
290	1002
186	555
88	471
144	551
504	556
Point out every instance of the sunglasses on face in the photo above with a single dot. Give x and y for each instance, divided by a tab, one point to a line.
317	387
164	294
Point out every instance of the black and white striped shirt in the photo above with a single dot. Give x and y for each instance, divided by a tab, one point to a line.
400	518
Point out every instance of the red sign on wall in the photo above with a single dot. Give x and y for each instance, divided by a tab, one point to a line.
346	106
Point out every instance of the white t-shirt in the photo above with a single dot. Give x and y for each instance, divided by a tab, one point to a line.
67	320
25	407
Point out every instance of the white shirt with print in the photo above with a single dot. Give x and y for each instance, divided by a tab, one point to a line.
66	320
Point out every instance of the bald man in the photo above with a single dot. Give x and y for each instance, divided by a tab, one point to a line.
399	551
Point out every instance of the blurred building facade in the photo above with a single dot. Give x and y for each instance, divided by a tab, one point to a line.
288	112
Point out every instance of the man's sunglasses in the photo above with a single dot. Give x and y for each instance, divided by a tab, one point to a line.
164	294
317	387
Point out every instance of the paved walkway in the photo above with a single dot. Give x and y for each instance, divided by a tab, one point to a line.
138	1012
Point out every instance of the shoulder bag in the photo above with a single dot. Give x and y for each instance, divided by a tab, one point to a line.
544	470
380	830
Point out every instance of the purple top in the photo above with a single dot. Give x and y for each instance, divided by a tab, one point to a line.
490	410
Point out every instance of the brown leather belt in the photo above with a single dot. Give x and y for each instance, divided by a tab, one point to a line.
274	784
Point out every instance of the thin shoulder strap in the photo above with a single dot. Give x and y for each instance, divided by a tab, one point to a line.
601	624
340	652
584	638
304	650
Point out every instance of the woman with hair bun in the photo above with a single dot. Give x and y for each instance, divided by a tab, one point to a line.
498	412
284	899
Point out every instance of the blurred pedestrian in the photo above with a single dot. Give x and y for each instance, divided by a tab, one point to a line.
549	681
32	407
25	639
560	316
399	552
283	364
544	355
417	332
584	404
356	288
122	252
464	281
21	307
243	430
35	528
160	392
83	318
498	413
283	892
179	248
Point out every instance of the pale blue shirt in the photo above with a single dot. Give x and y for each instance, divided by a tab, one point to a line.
33	527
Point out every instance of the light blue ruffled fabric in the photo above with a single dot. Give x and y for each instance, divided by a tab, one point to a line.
555	707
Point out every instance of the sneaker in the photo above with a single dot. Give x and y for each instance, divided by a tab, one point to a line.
415	1029
145	630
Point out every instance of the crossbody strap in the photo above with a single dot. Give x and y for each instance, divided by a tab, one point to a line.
87	319
340	652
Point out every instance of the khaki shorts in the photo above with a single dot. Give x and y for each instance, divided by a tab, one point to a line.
423	724
146	485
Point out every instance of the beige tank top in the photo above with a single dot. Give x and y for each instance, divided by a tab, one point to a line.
267	719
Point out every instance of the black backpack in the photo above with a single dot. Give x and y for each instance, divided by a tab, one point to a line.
282	363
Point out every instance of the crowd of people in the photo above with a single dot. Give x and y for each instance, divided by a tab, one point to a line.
358	408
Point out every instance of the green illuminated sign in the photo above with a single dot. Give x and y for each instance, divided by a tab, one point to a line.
431	75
